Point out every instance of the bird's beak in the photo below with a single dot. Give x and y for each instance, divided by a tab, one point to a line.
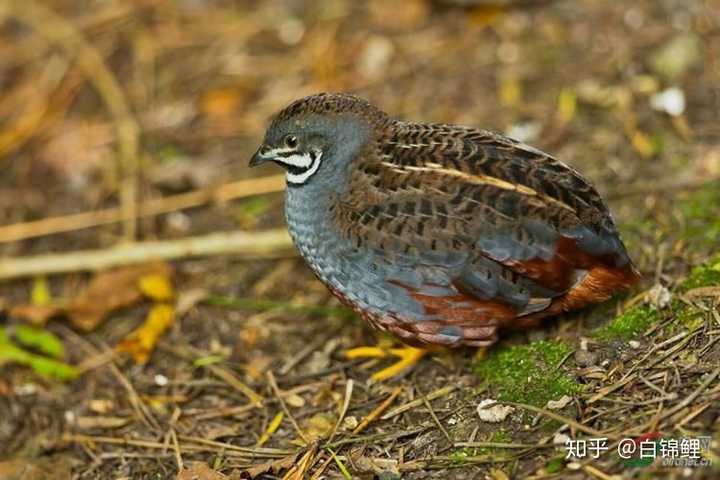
258	158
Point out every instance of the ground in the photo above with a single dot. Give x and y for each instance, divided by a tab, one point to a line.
249	379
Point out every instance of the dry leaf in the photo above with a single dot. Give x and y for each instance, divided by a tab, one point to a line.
89	423
55	467
37	315
110	291
199	471
107	291
257	366
101	405
274	466
141	342
319	426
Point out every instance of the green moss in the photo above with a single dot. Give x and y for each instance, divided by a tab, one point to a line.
555	464
640	317
686	315
700	212
630	324
528	373
459	457
500	436
707	275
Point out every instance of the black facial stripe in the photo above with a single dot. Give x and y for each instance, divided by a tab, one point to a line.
292	168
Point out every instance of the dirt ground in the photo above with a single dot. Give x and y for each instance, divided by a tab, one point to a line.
107	102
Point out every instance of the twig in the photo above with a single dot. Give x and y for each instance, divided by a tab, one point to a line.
595	472
691	398
298	471
59	31
140	408
291	362
150	208
222	412
560	418
270	430
501	445
343	410
441	392
255	451
276	390
236	383
209	445
176	448
435	419
378	411
269	243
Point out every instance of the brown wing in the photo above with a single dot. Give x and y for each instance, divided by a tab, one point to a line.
446	189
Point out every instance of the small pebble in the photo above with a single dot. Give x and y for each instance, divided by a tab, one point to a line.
634	344
670	101
659	296
489	411
161	380
69	417
562	402
585	358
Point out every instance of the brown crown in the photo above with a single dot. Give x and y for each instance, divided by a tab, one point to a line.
333	104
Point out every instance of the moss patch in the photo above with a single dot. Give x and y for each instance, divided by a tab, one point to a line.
700	213
630	324
707	275
528	373
640	317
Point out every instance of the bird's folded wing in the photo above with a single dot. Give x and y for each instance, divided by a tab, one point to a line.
507	219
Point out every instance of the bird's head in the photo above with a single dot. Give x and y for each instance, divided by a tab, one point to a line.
319	132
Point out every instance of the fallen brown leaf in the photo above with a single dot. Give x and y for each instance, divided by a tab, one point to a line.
43	468
274	466
110	291
199	471
37	315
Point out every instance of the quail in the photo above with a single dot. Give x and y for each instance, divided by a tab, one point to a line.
439	234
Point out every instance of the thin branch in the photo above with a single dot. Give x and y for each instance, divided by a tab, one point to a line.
150	208
267	244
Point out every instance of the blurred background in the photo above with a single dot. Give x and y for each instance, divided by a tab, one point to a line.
109	103
129	121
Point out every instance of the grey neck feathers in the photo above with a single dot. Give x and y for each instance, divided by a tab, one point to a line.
348	136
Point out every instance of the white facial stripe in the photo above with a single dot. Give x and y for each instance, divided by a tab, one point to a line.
277	151
299	160
303	177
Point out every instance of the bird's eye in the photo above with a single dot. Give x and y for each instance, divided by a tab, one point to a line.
291	141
